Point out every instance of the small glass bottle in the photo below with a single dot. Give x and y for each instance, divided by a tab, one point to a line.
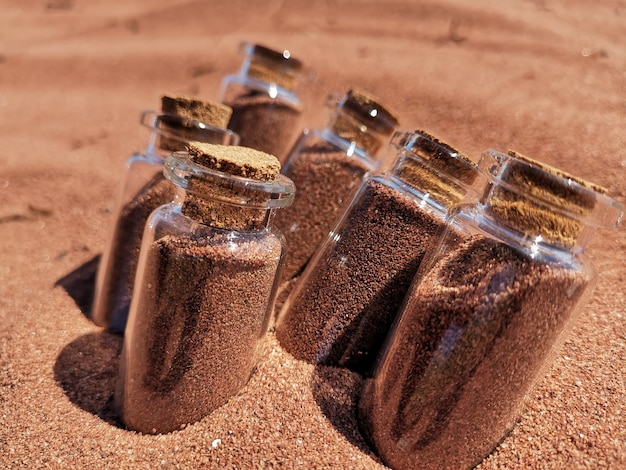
341	308
264	99
327	166
487	309
205	286
144	188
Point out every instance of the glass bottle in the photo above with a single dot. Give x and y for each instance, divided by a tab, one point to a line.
487	309
327	166
143	189
205	286
344	303
264	99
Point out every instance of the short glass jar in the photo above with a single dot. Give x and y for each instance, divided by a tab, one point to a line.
488	307
264	99
205	286
143	189
345	301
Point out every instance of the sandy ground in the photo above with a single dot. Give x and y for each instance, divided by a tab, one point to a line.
547	78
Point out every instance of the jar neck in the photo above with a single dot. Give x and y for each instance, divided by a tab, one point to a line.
544	206
225	201
358	136
535	221
361	121
216	213
435	170
172	133
469	218
265	65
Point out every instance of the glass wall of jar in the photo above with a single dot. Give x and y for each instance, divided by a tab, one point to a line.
204	290
143	189
483	317
344	303
264	99
327	166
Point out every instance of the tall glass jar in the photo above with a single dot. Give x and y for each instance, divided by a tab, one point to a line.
345	301
143	189
328	166
205	285
264	99
486	311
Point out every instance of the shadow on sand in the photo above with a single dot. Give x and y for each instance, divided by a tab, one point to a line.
80	284
87	369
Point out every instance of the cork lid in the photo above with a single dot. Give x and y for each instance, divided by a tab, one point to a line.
368	109
236	160
432	166
283	58
208	112
548	180
443	157
361	120
272	66
229	187
539	200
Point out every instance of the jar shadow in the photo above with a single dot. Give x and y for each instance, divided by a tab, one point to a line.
80	284
86	369
336	391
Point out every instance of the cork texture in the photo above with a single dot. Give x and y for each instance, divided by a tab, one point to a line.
364	121
236	160
544	203
221	202
208	112
272	66
264	72
440	171
560	173
366	100
450	160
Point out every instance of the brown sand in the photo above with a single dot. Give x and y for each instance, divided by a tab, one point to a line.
544	78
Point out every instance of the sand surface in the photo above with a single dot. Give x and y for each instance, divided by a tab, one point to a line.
547	78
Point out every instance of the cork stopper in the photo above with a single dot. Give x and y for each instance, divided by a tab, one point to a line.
235	160
225	195
558	180
271	66
184	119
364	121
539	200
371	111
432	166
208	112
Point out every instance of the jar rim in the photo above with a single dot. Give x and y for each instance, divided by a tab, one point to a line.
457	166
365	108
283	58
278	193
165	123
597	209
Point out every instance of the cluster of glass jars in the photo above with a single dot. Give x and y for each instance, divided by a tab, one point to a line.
447	283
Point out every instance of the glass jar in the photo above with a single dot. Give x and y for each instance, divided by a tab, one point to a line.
204	289
264	99
143	189
346	299
327	166
486	311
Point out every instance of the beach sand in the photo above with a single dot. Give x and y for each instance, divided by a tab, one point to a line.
546	78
